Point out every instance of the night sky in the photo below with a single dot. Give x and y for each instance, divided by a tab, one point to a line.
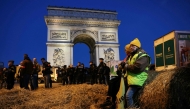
23	29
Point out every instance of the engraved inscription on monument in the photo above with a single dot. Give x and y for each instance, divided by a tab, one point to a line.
58	34
108	36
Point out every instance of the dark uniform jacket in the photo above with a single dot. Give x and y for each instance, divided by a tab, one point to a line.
70	71
64	72
46	68
10	72
79	70
101	68
106	70
92	69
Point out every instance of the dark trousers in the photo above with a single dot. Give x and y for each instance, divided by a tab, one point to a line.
84	78
50	82
96	79
107	78
21	81
79	78
113	87
74	79
9	83
101	79
12	81
34	81
70	79
92	79
26	81
47	80
65	80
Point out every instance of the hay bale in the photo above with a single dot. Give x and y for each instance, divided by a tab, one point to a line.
179	91
81	96
170	89
151	76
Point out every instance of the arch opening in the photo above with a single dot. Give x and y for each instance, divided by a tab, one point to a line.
89	41
83	38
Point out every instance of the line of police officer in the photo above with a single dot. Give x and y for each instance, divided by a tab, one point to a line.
77	75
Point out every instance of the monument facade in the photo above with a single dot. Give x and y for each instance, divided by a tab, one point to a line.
66	26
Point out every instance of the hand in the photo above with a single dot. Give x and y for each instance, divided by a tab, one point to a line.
4	69
122	64
126	65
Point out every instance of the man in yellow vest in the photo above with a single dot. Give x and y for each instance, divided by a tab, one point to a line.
137	67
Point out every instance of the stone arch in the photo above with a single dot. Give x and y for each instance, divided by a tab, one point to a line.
98	29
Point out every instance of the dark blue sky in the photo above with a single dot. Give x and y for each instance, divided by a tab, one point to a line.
23	29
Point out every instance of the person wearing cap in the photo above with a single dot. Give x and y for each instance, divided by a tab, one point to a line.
79	73
10	74
70	72
137	67
101	71
64	75
92	72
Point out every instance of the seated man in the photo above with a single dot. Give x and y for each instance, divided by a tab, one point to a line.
137	67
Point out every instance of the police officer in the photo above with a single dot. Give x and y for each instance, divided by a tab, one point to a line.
101	69
106	74
84	74
70	72
10	74
92	72
64	75
79	73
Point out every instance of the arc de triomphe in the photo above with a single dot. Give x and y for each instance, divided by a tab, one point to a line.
66	26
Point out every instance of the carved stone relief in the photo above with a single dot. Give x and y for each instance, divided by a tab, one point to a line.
58	57
109	54
74	33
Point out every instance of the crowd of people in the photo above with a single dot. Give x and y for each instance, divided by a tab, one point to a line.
27	74
29	70
134	68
